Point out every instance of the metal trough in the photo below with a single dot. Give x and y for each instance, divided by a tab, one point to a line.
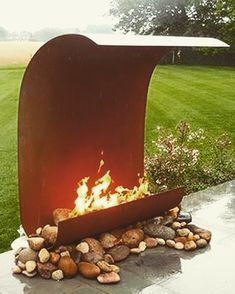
81	97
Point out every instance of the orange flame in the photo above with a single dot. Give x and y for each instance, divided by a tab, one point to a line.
100	197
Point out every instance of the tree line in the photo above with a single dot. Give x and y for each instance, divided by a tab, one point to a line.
204	18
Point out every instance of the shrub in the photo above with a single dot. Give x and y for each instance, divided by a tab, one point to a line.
189	158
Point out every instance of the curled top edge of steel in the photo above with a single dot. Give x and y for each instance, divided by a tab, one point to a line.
158	41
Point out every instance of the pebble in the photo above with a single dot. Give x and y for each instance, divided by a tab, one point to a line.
50	233
135	250
183	224
76	256
108	278
57	275
45	270
170	243
151	242
94	245
105	267
201	243
27	254
196	237
91	257
190	236
39	231
19	250
65	253
179	246
184	217
132	238
30	266
88	270
204	234
161	241
60	214
54	257
21	265
36	243
82	247
167	220
62	249
68	266
16	269
159	231
108	258
142	246
183	232
181	239
157	220
43	255
118	232
107	240
176	225
29	275
119	252
174	212
190	245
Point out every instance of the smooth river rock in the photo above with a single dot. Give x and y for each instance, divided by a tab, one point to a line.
159	231
119	252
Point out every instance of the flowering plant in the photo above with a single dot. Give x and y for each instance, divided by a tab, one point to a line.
189	158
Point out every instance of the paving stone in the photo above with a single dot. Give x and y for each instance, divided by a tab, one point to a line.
159	270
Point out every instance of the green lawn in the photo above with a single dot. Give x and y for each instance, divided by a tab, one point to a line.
204	96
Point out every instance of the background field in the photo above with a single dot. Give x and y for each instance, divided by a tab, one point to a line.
204	96
13	52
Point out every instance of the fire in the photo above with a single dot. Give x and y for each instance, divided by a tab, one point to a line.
99	196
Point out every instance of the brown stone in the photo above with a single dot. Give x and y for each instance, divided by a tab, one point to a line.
36	243
108	278
27	254
54	257
94	246
60	214
68	266
107	268
201	243
181	239
119	252
88	270
190	245
108	258
133	237
107	240
204	234
118	232
76	256
45	269
92	257
50	234
150	242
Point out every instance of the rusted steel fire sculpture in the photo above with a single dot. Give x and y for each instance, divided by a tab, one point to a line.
81	97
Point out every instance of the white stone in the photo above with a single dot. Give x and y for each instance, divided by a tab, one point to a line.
170	243
57	275
142	246
161	241
30	266
176	225
43	255
83	247
183	232
179	246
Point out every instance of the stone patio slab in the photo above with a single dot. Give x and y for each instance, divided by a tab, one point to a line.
161	270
